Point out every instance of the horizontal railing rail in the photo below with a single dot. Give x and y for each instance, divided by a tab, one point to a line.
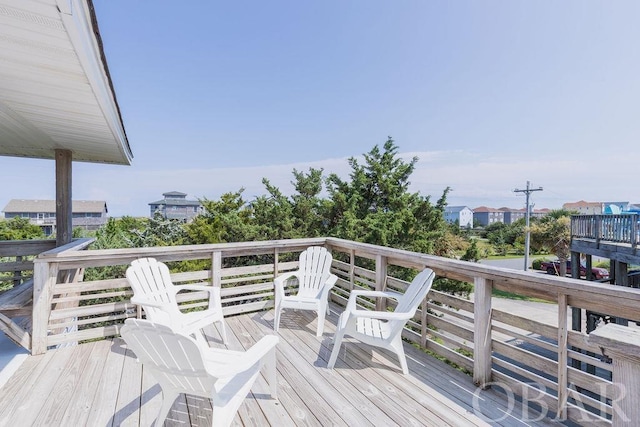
522	355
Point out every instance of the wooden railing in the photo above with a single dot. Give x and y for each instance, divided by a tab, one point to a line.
619	228
16	296
16	260
550	366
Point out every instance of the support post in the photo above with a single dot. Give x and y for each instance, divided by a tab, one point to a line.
482	331
64	209
527	235
622	345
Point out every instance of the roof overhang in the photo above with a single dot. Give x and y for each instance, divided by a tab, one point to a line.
55	87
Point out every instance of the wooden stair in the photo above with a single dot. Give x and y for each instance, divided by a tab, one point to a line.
16	305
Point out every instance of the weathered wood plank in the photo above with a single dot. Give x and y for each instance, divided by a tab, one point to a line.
297	395
104	402
127	410
82	395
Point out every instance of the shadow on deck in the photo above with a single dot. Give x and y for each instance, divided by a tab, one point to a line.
100	384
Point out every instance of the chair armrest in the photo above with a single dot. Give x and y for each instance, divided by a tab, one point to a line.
179	288
278	282
328	285
382	315
285	276
142	301
214	292
249	358
351	304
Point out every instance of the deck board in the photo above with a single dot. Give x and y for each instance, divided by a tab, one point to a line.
101	383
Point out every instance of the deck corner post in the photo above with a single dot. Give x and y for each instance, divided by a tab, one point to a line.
45	275
482	332
622	345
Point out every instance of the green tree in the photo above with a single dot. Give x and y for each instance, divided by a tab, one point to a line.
229	219
553	232
18	228
375	205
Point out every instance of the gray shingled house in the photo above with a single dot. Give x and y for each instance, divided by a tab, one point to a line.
87	214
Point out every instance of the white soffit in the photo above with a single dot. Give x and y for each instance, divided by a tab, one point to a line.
55	90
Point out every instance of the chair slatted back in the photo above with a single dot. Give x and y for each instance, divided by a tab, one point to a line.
171	358
151	279
315	268
416	292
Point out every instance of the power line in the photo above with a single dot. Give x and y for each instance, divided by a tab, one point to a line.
527	192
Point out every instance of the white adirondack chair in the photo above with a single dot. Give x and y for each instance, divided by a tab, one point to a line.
181	364
315	281
156	293
382	328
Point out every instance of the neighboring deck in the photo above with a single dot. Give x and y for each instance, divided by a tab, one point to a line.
100	384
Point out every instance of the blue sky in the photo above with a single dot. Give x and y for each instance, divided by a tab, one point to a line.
489	95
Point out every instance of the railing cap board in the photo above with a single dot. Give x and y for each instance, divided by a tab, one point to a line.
12	248
614	338
104	257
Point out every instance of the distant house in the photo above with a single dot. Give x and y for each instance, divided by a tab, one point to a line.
462	215
539	213
87	214
175	206
585	208
486	216
512	215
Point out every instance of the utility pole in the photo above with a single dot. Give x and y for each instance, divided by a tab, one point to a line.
527	191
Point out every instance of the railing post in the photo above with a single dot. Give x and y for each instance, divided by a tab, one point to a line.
276	257
45	275
216	269
622	344
381	281
563	335
634	230
482	331
352	269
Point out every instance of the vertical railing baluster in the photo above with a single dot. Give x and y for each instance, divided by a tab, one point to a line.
482	331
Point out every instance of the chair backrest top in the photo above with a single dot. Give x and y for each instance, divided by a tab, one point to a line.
171	357
151	278
416	292
315	269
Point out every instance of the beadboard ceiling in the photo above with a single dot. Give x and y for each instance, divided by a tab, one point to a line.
55	89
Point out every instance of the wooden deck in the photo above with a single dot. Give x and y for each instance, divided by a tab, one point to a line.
100	384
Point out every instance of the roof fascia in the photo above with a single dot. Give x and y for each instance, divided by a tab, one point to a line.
76	18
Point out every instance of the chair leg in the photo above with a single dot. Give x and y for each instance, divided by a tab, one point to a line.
168	398
321	314
276	321
337	342
223	332
398	348
271	373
